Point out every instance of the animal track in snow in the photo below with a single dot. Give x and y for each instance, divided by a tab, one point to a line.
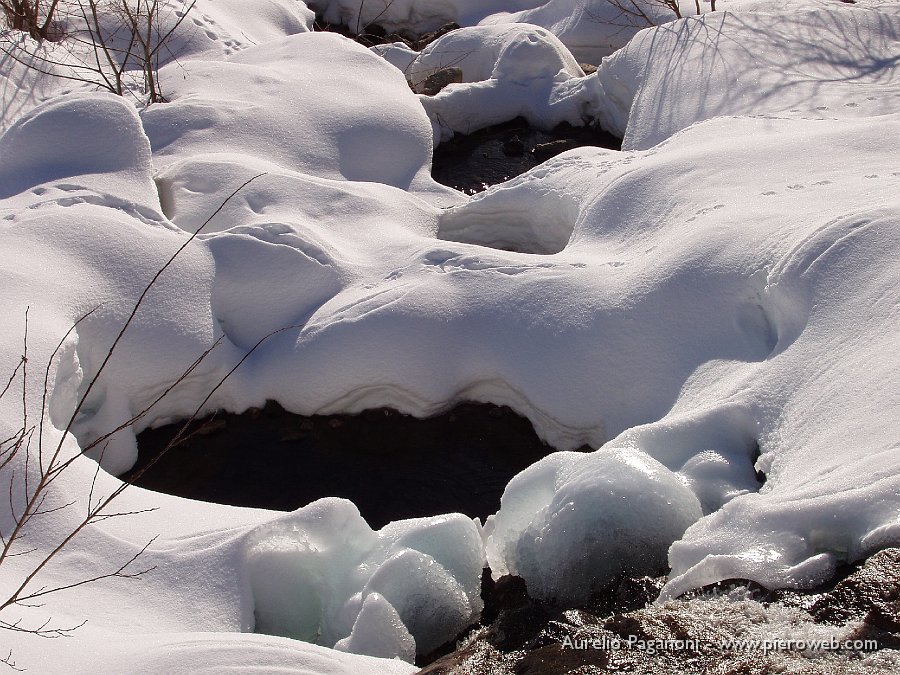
704	211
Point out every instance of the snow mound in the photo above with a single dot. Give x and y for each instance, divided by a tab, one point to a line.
834	64
322	575
508	71
711	306
572	523
254	101
82	139
591	29
517	53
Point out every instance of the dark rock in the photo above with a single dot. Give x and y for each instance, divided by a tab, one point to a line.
510	593
428	38
434	83
626	594
588	68
519	617
514	147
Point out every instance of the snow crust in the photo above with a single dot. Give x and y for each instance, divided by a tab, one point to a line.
717	300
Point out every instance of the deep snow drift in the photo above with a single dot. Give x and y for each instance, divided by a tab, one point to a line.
714	305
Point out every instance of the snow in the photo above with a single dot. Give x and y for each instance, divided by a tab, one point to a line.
331	136
808	63
717	300
507	71
591	29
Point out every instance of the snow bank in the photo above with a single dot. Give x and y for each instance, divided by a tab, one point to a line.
516	53
321	575
818	64
198	653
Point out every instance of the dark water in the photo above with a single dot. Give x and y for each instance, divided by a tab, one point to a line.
391	466
490	156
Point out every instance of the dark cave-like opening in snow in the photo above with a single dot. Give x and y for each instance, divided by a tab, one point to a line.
392	466
474	162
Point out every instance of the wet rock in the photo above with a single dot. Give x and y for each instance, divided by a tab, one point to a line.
872	592
544	151
434	83
374	34
213	426
555	659
620	632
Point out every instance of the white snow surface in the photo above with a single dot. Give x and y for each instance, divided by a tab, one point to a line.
717	299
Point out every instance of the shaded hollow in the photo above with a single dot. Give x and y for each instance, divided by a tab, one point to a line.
392	466
474	162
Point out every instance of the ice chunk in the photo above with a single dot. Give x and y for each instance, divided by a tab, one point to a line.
379	631
320	574
573	522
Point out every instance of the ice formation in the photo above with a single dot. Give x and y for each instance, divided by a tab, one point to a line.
321	575
572	522
710	304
